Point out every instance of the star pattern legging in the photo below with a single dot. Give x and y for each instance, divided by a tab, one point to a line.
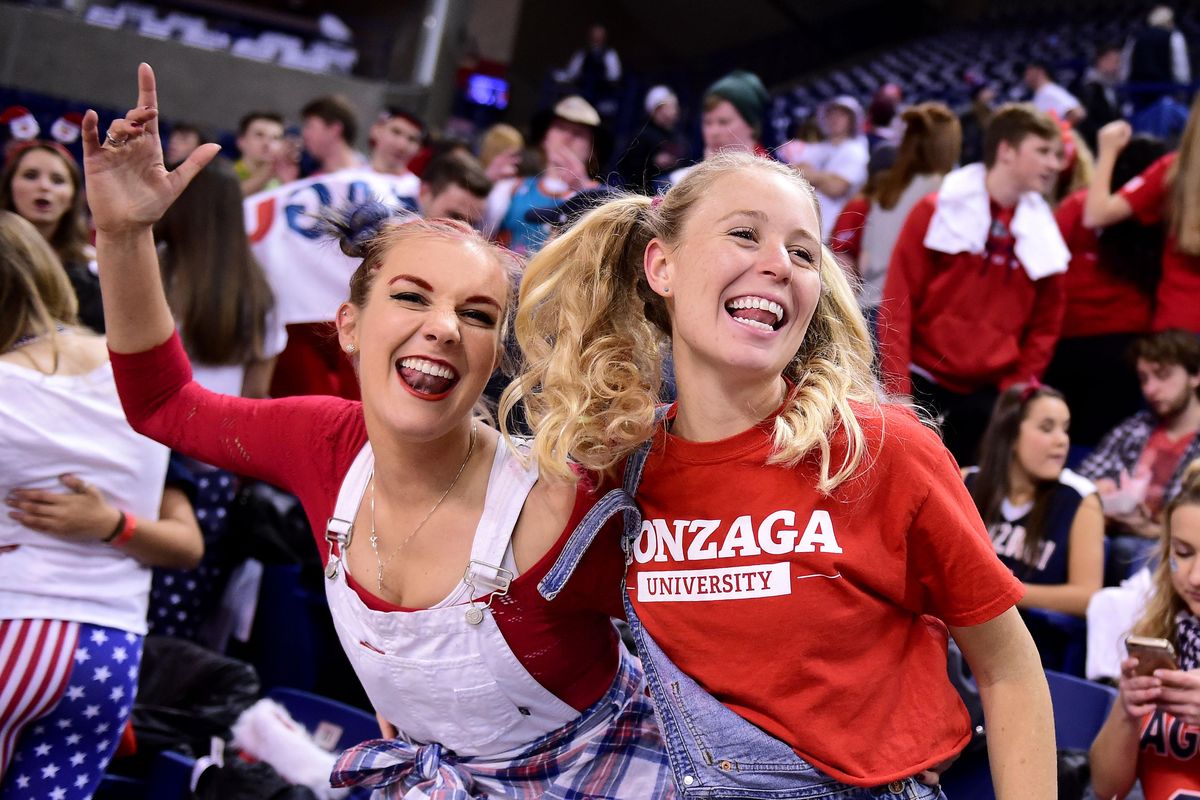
66	692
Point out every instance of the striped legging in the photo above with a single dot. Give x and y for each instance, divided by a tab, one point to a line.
66	693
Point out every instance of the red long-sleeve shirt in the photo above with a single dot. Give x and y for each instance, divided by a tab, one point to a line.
305	445
969	320
1097	302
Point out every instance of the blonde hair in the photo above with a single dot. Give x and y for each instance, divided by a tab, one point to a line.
592	332
35	293
1080	176
1183	210
1165	604
496	140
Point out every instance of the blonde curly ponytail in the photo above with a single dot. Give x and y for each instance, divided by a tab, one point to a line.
593	334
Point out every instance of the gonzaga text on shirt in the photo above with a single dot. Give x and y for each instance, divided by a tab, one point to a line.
703	541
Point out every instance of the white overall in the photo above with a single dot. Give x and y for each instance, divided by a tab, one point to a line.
446	674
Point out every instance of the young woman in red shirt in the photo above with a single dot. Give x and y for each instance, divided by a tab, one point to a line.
434	530
803	548
1168	190
1152	733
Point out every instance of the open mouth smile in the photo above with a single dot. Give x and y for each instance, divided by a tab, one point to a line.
426	378
757	313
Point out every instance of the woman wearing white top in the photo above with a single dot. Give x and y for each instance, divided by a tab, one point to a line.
930	148
74	577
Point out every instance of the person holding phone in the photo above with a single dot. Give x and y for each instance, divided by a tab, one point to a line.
1153	731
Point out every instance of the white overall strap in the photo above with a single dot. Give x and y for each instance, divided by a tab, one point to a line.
508	485
341	525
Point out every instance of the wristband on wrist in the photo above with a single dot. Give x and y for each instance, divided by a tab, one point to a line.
120	527
124	530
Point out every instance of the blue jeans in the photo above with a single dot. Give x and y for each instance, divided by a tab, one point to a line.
714	753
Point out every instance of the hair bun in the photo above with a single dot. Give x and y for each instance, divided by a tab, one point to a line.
355	227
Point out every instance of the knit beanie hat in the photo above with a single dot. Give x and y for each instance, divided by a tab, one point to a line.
745	92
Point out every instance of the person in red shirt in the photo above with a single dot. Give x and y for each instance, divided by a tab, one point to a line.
1110	289
802	546
1152	734
1168	190
973	300
483	687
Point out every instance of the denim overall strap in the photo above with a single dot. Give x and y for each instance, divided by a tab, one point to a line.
616	500
715	753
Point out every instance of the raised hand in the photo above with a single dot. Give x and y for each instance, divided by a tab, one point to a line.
128	185
1113	137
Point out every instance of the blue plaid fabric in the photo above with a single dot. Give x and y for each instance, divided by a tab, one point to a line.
612	752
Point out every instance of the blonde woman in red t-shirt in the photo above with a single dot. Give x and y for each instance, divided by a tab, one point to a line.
1153	731
1168	190
803	549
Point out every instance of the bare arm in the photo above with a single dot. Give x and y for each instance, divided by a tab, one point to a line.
1085	567
84	515
260	176
827	183
1104	207
1016	706
1114	753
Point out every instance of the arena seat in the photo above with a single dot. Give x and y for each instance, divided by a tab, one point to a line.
316	713
1080	708
1061	639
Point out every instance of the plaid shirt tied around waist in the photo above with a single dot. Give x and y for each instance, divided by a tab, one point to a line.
613	750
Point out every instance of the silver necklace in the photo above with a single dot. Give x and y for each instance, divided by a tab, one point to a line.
380	564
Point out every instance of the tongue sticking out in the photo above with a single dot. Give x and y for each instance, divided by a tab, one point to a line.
759	315
425	383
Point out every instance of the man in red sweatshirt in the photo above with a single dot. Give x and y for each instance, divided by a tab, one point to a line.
974	295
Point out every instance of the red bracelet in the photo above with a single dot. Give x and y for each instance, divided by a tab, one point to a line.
126	532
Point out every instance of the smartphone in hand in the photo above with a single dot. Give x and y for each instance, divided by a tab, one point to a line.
1151	654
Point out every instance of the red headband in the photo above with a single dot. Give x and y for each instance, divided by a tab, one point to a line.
1032	386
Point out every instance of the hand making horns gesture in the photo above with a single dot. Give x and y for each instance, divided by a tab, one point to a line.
128	185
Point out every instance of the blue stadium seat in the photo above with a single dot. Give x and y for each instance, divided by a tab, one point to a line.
1080	708
118	787
1061	639
312	710
171	776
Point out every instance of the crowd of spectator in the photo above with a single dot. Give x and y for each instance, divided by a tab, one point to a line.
1029	273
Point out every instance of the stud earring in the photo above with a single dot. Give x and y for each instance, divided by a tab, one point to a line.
666	290
351	349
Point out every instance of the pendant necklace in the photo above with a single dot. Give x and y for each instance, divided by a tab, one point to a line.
380	564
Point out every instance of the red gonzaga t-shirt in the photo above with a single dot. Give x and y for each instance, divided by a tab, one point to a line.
1168	754
1178	291
820	618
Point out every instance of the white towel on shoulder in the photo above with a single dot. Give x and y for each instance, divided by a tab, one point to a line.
960	224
